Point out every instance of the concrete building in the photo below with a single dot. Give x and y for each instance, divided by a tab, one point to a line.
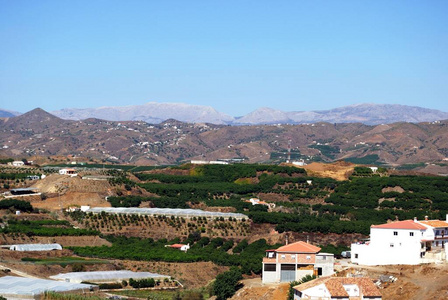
294	261
409	242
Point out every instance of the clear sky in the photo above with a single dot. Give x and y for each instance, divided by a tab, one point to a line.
235	56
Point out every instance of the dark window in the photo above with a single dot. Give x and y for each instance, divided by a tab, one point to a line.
288	267
411	234
270	267
395	232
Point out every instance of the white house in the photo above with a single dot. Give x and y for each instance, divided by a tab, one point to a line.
181	247
18	163
409	242
294	261
329	288
66	171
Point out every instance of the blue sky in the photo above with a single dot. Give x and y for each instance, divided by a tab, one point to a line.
235	56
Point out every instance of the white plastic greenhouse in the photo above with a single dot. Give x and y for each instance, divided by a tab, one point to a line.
13	287
35	247
105	276
179	212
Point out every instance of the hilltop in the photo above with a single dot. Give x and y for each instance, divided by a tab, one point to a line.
40	134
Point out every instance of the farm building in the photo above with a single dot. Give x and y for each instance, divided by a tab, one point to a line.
67	171
181	247
106	276
12	287
177	212
294	261
35	247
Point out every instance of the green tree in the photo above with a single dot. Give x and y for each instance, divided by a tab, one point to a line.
226	283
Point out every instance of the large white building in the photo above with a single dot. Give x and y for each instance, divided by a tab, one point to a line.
409	242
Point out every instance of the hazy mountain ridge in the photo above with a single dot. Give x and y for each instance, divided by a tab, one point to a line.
153	112
38	133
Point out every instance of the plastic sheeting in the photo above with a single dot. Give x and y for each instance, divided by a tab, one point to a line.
105	276
179	212
15	286
35	247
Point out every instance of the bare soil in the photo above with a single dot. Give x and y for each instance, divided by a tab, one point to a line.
339	170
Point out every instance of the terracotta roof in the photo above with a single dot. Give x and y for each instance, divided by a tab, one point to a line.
435	223
299	247
177	245
407	224
335	286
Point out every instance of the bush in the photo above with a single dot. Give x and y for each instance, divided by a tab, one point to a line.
226	284
109	286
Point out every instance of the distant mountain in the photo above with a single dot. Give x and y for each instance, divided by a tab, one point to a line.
155	113
8	113
38	133
151	112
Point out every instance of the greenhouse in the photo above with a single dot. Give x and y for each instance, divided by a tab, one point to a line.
27	288
106	276
177	212
35	247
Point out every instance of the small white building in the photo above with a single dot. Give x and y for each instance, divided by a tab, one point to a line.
409	242
67	171
338	288
181	247
374	169
18	163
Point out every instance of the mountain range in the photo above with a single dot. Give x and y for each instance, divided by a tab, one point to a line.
156	113
40	134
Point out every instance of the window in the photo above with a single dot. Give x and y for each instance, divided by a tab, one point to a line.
308	257
270	267
283	256
411	234
293	256
391	245
356	255
395	232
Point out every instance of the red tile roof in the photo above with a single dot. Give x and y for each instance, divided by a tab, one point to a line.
435	223
299	247
177	245
407	224
335	286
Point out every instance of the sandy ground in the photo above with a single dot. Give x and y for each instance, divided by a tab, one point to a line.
339	170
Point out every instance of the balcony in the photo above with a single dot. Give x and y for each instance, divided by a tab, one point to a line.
269	260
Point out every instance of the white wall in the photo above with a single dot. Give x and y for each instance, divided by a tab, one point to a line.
269	277
387	248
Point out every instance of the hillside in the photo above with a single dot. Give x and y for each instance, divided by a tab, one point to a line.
40	134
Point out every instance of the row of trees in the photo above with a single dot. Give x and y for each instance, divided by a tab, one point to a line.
247	256
45	228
